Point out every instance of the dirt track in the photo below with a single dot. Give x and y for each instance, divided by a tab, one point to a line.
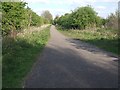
66	63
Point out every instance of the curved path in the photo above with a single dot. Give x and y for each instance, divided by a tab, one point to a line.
64	64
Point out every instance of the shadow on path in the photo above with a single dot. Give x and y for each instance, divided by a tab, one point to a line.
66	69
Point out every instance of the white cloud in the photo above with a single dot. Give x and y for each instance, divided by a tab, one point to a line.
64	6
54	11
100	8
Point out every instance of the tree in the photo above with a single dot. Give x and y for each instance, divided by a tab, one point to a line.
36	20
47	15
12	16
15	17
80	18
56	19
112	22
85	17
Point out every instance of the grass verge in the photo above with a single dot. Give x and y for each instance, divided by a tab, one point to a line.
104	39
19	55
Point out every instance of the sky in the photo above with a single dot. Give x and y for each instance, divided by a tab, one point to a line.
60	7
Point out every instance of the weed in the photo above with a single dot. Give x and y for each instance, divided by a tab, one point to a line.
105	39
19	55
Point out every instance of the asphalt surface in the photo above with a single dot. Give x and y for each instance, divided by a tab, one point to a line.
64	63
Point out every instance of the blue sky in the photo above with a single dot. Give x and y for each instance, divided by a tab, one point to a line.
60	7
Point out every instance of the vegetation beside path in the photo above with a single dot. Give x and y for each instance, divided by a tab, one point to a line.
85	24
104	39
20	53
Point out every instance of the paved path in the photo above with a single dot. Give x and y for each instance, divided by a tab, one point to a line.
64	65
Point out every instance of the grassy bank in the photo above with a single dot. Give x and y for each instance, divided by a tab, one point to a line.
19	55
105	39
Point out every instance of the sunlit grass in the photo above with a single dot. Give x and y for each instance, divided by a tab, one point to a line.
19	55
103	38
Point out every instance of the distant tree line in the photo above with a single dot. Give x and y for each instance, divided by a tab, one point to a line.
85	17
17	16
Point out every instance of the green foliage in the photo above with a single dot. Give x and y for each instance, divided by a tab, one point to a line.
112	21
36	20
80	18
45	21
12	16
105	39
19	54
55	20
16	17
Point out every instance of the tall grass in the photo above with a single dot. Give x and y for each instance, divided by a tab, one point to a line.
103	38
19	55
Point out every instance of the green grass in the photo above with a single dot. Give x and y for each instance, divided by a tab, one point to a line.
19	55
105	39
